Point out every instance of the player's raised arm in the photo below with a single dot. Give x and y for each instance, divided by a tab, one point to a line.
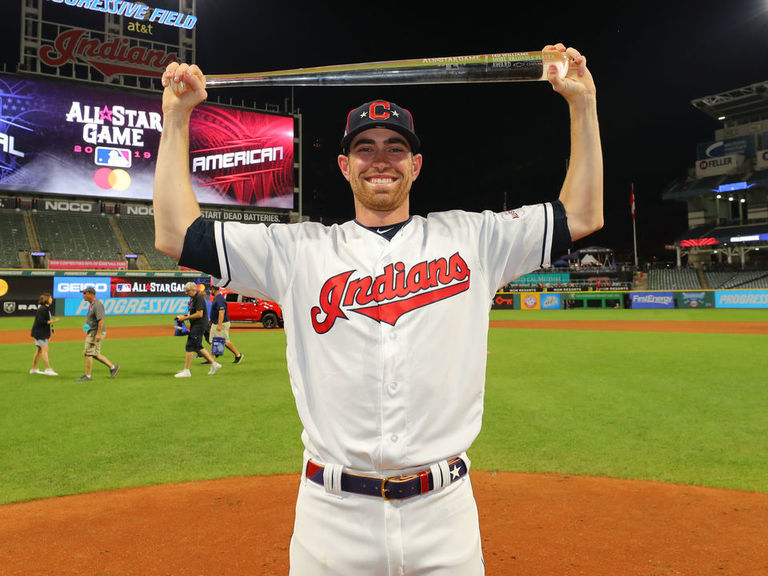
175	205
582	191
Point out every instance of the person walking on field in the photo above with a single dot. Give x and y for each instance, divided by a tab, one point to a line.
41	332
97	331
220	323
197	316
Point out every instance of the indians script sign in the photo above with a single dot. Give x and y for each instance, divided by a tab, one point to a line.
113	57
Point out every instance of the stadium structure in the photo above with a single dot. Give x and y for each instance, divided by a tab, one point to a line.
79	128
726	191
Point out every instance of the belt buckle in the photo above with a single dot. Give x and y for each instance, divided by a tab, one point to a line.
401	478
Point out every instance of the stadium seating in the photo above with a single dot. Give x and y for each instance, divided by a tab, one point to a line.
741	279
13	238
139	233
68	236
673	279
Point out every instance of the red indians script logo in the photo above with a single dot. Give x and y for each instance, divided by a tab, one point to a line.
387	297
117	56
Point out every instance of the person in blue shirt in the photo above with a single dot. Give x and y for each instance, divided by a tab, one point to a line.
220	322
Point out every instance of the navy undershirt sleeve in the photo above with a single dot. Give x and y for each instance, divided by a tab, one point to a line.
199	251
561	236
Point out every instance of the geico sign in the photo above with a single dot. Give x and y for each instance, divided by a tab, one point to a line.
72	287
67	206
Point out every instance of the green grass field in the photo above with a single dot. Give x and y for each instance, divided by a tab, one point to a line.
677	407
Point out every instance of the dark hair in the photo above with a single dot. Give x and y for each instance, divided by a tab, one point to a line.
44	297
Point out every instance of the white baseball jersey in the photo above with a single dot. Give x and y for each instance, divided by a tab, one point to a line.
386	340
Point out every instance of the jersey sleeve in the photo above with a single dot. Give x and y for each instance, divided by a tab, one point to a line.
251	259
520	241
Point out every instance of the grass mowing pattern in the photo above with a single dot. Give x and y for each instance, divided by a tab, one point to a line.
144	427
688	408
685	408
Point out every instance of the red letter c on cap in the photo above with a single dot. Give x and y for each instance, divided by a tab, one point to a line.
375	114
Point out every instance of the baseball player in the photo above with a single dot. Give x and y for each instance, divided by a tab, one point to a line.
386	327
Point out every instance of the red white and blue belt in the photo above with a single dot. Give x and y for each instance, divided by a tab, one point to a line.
392	487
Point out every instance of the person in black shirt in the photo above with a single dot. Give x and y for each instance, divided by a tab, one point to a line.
198	321
41	332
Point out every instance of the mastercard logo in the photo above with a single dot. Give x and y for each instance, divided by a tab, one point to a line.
112	179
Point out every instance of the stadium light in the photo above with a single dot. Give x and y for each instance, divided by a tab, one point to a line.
732	187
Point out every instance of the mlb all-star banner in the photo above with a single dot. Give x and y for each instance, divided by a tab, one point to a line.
75	140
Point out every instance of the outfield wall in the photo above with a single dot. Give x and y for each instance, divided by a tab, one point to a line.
123	292
647	299
132	292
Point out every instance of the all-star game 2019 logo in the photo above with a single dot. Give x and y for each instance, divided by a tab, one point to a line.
113	134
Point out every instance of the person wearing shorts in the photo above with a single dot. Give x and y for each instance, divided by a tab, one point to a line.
97	331
220	323
41	332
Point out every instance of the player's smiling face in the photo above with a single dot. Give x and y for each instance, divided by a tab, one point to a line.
380	169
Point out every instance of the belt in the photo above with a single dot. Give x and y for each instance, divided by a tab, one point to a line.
393	487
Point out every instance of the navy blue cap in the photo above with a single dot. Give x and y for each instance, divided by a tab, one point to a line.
380	114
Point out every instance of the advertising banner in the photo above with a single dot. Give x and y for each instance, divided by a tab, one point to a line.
550	301
72	286
504	301
19	295
761	163
700	299
75	140
530	301
154	287
719	166
130	306
125	295
544	278
740	146
741	298
652	300
87	264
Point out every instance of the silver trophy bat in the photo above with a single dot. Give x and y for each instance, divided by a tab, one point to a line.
508	67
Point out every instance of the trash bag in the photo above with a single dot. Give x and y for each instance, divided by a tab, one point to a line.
217	345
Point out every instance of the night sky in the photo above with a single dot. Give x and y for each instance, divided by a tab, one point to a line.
486	143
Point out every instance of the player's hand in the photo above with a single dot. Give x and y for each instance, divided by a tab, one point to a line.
578	81
184	88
